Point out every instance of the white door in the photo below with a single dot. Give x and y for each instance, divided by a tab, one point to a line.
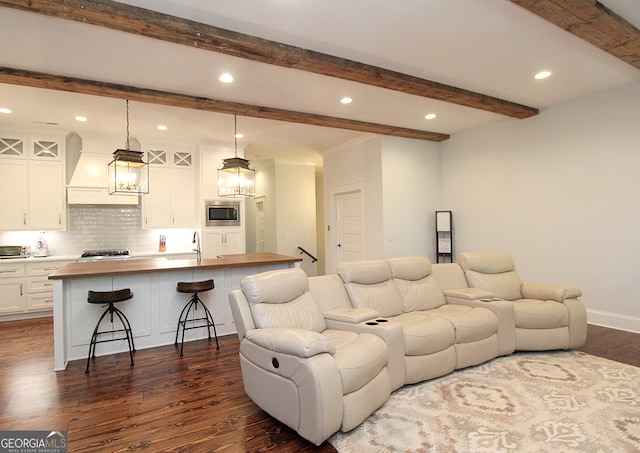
349	231
260	222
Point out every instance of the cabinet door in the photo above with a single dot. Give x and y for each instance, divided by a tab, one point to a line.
156	204
183	194
12	298
222	242
233	242
212	244
46	196
13	194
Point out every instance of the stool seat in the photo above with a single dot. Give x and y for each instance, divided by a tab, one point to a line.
195	287
109	298
106	297
184	323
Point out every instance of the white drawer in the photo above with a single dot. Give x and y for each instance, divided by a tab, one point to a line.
39	302
43	269
12	271
39	285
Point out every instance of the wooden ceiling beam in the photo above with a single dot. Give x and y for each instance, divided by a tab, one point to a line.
96	88
152	24
592	21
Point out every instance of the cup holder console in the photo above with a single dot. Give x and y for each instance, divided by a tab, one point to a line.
376	322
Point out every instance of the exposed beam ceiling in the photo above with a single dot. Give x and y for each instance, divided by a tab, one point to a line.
76	85
592	21
173	29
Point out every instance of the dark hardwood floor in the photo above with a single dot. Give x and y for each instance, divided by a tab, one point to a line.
164	403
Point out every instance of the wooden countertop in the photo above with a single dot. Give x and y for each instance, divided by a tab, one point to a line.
146	265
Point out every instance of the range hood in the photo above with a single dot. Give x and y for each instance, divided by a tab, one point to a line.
87	176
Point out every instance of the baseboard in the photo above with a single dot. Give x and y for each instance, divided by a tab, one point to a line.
614	320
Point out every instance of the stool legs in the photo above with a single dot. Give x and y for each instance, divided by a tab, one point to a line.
184	319
111	310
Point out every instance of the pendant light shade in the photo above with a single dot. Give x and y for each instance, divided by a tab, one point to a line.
235	178
128	174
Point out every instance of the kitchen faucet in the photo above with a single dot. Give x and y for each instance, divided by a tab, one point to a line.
196	240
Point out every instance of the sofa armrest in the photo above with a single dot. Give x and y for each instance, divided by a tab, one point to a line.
391	333
351	315
468	294
297	342
546	291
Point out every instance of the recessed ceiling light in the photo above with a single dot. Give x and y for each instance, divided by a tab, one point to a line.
226	78
162	127
430	116
542	75
239	135
81	118
5	110
346	100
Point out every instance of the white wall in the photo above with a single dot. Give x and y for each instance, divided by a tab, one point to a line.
359	162
559	192
401	180
411	195
296	212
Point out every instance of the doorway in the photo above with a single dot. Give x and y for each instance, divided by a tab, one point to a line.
348	241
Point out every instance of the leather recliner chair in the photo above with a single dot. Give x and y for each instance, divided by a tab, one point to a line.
313	379
547	316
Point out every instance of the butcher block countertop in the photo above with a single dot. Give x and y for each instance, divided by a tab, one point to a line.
147	265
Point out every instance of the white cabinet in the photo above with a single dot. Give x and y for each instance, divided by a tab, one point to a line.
13	194
39	287
172	198
219	242
31	183
12	288
25	288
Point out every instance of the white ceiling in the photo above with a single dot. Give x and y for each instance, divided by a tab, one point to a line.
493	47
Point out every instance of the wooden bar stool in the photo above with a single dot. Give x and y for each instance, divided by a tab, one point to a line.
109	298
196	323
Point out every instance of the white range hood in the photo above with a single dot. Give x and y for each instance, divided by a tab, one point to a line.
88	178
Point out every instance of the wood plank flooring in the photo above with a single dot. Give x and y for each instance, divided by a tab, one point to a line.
164	403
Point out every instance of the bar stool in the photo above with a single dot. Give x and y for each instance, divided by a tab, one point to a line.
196	323
110	298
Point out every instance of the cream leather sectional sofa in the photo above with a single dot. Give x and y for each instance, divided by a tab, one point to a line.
322	353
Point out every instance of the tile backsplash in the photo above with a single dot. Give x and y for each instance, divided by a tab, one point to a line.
103	227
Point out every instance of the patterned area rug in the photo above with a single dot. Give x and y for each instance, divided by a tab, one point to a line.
528	402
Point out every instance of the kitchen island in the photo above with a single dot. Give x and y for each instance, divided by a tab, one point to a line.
155	307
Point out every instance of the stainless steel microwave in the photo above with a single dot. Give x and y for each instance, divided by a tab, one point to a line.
222	213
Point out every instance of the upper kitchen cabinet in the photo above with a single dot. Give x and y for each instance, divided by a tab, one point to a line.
32	184
172	198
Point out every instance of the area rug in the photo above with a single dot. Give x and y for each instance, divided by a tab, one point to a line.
528	402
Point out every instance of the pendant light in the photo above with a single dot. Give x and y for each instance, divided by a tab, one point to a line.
128	173
235	178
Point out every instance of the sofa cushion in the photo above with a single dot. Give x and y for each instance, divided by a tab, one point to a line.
281	299
540	314
504	286
419	289
359	357
471	324
486	263
369	284
425	334
275	287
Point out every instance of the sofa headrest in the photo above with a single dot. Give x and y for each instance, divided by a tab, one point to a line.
364	272
486	263
275	287
410	267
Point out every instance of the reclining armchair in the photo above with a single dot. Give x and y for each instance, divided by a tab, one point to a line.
313	379
547	316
